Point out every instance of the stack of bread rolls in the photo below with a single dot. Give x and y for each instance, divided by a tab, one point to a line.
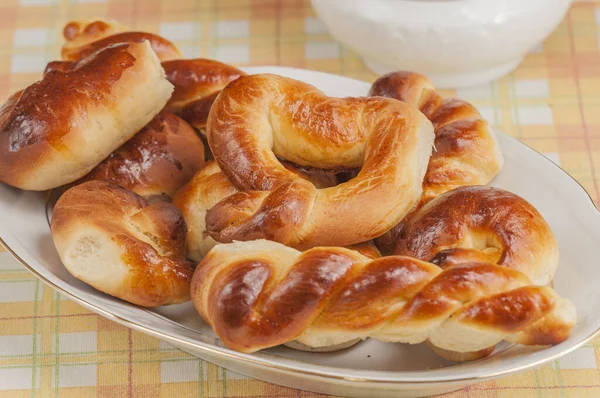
286	216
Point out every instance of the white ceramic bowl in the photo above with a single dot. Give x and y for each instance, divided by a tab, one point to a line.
370	368
455	43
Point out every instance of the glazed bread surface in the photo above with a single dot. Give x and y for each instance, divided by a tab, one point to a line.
113	240
209	186
466	150
480	223
257	119
156	162
196	81
261	294
60	128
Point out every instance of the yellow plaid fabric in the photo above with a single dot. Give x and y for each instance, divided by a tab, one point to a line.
52	347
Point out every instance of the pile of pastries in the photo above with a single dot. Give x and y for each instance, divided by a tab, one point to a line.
286	216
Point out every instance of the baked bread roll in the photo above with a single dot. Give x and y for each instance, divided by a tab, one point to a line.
481	223
261	294
258	118
111	239
209	186
156	162
197	81
83	38
466	151
60	128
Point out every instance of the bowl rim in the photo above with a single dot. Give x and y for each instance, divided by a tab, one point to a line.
262	362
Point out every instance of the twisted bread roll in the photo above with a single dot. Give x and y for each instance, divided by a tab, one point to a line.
482	223
261	294
58	129
197	81
156	162
258	118
111	239
207	188
466	151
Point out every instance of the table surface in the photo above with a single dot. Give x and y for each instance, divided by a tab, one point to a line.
51	346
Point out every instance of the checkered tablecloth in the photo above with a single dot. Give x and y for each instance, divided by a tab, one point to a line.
52	347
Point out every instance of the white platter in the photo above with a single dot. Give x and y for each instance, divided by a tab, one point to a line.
371	368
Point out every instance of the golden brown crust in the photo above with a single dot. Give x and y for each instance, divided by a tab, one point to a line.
206	188
367	249
157	161
209	186
49	133
197	82
466	151
261	294
58	91
258	118
83	38
60	66
110	238
482	223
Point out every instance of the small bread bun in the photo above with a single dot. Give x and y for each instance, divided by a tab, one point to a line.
157	161
60	128
111	239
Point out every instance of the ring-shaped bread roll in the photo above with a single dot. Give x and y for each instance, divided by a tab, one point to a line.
482	223
258	118
113	240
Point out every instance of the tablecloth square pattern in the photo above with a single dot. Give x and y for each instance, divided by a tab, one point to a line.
52	347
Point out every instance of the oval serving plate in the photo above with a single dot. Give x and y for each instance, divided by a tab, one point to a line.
370	368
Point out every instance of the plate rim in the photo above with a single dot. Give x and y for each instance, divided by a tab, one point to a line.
257	361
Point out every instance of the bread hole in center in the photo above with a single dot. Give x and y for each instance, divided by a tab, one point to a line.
321	178
485	242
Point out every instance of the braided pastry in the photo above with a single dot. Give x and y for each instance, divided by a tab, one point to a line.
466	151
197	81
258	118
111	239
261	294
58	129
481	223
